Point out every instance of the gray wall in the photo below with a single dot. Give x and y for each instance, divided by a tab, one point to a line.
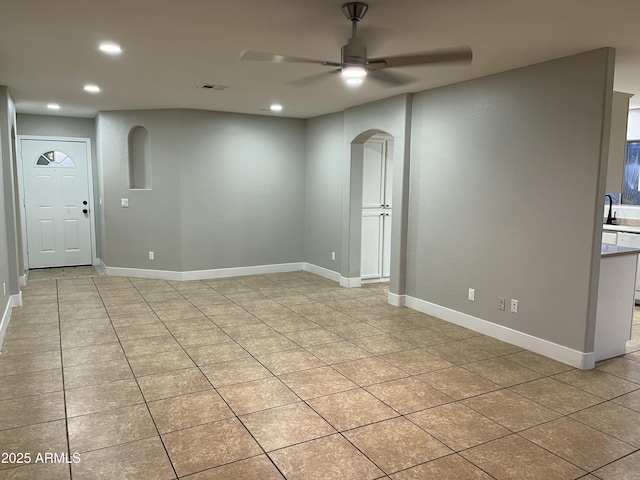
242	184
324	157
505	194
9	259
152	221
227	190
46	125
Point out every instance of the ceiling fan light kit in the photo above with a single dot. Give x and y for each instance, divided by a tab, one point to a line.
354	71
354	63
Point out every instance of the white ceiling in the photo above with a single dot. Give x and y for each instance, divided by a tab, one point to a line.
48	49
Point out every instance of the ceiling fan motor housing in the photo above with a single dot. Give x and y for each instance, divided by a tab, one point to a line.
354	52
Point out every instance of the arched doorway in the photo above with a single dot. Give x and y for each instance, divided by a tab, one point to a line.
367	144
377	209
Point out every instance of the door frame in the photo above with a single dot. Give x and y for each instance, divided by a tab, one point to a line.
383	210
21	190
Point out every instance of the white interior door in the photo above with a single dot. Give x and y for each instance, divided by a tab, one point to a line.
388	173
377	171
386	245
373	174
371	265
56	197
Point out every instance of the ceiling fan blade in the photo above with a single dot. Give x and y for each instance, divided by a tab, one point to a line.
278	58
390	79
311	79
462	55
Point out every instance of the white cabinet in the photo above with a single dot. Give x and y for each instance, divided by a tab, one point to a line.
376	209
631	240
610	238
614	314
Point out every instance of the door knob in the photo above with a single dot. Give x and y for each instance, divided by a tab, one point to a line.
85	211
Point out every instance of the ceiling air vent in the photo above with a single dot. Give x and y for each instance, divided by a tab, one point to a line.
213	86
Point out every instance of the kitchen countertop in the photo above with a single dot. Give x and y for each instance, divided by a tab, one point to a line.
614	250
621	228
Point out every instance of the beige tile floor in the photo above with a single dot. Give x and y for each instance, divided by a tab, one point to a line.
290	376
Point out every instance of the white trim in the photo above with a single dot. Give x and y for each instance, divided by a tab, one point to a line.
396	300
221	272
552	350
376	280
201	274
90	179
22	279
100	267
352	282
323	272
14	301
242	271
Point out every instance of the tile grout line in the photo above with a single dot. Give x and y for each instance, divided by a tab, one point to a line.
357	385
209	381
64	391
146	404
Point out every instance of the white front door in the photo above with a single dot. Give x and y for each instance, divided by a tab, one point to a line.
56	197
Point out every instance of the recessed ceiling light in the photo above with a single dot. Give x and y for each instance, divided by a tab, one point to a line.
53	106
92	88
276	107
110	48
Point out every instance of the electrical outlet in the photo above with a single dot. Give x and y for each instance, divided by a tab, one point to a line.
4	289
152	256
124	202
501	303
472	294
514	305
333	256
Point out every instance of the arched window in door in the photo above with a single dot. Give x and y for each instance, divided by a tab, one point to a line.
55	159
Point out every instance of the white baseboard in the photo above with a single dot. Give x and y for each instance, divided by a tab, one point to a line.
321	271
101	268
552	350
220	272
22	279
202	274
396	300
14	301
352	282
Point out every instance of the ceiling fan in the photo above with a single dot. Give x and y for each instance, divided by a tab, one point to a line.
354	64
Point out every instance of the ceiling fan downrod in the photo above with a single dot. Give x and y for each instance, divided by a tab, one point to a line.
354	53
354	11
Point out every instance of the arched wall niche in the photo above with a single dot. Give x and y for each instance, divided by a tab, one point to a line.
139	158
